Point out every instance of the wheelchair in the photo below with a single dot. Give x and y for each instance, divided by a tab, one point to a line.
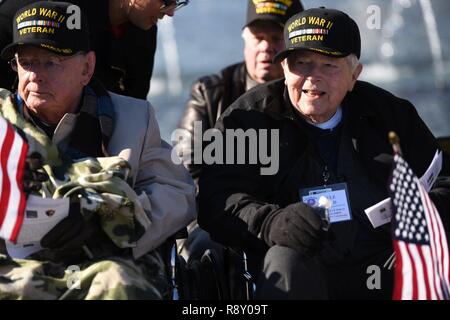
218	275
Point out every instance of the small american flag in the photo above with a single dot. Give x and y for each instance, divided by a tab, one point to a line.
13	152
422	269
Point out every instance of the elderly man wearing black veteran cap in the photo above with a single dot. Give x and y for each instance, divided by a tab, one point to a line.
108	171
333	140
212	94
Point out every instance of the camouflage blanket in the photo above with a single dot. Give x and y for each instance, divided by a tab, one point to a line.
100	184
115	278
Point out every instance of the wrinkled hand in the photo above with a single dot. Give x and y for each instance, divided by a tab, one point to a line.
32	177
298	227
72	232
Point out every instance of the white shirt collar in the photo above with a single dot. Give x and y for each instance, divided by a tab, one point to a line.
332	123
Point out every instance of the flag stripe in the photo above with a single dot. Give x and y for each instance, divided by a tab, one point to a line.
420	279
3	126
433	247
415	289
445	254
15	194
23	199
407	274
6	183
12	198
426	254
436	242
398	273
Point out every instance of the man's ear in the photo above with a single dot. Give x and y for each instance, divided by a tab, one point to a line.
285	66
89	67
355	75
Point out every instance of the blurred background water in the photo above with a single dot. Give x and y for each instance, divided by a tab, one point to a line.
405	49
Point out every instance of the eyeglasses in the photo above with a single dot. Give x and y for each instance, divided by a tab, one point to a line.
50	64
176	4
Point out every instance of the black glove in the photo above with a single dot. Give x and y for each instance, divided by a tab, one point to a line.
33	176
73	232
297	226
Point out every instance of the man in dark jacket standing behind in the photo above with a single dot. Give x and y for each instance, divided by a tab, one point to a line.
212	94
333	141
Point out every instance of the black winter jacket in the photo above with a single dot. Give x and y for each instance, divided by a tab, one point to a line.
210	96
236	199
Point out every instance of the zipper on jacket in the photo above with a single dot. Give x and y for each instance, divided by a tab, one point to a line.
325	175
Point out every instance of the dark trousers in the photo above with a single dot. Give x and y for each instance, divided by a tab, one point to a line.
287	275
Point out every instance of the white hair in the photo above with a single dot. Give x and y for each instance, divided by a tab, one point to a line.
246	33
352	61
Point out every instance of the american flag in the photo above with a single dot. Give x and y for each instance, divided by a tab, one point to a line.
13	152
420	244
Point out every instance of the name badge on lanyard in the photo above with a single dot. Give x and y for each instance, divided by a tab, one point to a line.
336	193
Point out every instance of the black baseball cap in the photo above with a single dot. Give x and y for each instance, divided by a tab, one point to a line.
327	31
59	27
278	11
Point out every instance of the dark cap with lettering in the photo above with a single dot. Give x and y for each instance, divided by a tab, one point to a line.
59	27
326	31
278	11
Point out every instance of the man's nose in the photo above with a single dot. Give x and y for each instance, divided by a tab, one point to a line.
34	75
267	46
